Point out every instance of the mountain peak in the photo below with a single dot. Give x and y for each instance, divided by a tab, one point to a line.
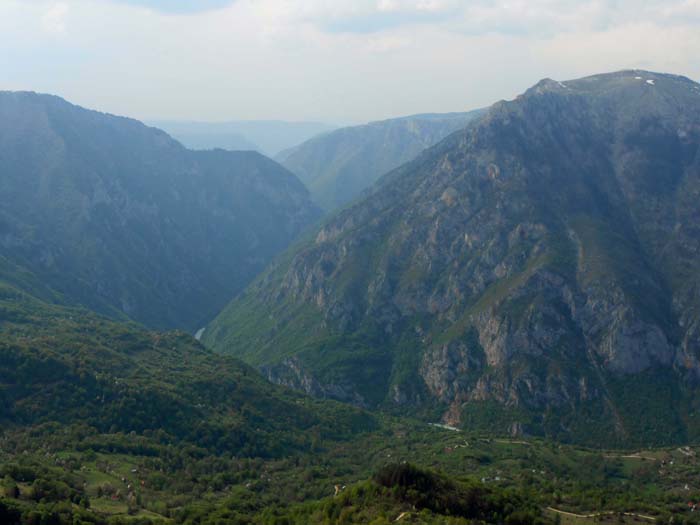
625	80
540	261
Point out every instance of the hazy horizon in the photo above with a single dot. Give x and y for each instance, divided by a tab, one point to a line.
345	63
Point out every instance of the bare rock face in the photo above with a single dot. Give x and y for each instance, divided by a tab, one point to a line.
633	346
446	367
291	373
536	272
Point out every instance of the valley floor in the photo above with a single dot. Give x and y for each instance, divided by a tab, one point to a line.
121	479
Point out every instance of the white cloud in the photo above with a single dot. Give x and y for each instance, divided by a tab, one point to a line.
385	44
681	12
53	20
342	60
426	6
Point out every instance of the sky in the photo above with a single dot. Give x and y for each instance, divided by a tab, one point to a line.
335	61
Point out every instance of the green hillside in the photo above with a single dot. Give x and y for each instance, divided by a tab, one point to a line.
340	165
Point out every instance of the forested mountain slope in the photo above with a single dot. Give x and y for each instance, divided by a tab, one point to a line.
338	166
71	367
121	218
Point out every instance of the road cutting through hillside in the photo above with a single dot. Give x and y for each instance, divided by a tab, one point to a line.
596	514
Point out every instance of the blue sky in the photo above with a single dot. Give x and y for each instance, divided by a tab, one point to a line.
329	60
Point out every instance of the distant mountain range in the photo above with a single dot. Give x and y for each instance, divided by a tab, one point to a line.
269	137
338	166
537	272
120	218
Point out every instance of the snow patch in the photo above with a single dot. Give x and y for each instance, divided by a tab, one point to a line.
650	82
561	84
638	78
199	333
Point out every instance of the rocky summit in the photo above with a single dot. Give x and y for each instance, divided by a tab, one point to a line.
537	273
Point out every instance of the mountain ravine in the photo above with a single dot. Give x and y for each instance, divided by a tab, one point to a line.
122	219
338	166
537	272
